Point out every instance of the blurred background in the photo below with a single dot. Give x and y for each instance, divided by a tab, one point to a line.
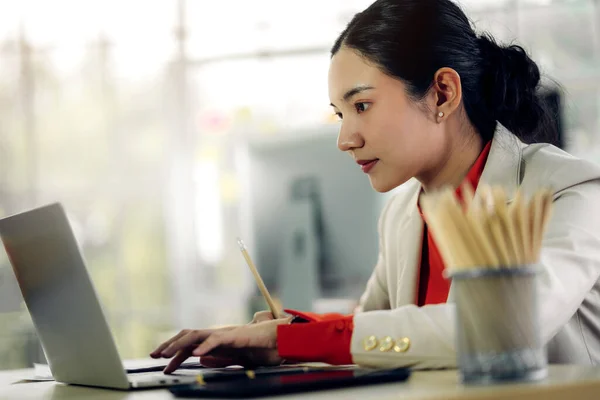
168	128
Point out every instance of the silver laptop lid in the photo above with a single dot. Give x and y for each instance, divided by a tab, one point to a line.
61	299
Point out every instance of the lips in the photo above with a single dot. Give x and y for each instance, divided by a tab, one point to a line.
367	165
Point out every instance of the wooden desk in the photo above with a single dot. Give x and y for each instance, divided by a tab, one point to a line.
564	382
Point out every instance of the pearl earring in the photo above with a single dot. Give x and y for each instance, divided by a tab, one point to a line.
441	114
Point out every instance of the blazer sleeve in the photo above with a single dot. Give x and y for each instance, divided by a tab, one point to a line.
376	296
424	337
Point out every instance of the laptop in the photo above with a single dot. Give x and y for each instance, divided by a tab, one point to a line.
63	304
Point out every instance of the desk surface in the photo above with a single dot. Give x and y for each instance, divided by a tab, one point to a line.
564	382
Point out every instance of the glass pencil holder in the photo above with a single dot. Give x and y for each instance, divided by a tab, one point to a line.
497	325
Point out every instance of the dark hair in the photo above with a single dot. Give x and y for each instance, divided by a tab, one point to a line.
412	39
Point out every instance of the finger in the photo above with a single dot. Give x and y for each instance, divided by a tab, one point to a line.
193	337
181	356
262	316
164	345
263	335
212	342
157	353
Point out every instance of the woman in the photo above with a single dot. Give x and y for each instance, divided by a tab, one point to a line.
425	102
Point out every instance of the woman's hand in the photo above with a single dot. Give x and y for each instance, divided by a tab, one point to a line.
254	344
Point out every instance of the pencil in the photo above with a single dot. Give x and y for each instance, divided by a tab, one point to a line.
259	281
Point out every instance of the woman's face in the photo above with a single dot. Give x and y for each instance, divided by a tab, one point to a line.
391	137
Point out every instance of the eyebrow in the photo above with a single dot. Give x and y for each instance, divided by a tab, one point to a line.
354	91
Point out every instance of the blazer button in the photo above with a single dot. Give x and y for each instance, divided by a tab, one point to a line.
386	344
369	343
402	345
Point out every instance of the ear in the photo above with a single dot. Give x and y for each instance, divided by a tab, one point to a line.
446	93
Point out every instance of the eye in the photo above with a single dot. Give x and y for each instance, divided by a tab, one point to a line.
362	107
339	115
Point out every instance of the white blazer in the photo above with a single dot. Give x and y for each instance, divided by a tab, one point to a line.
390	330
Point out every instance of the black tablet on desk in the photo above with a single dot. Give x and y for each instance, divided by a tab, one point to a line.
290	382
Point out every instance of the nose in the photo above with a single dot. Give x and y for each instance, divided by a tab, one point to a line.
349	138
